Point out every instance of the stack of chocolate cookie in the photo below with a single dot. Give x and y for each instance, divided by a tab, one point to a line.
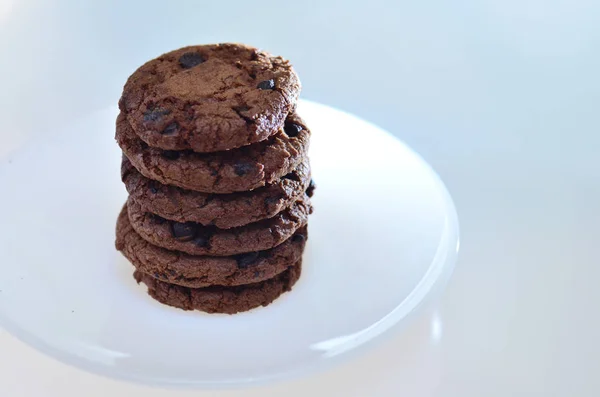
215	163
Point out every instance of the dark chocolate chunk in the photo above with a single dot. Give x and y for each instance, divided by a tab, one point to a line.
267	85
159	220
184	231
202	240
246	260
190	59
292	176
298	238
171	129
242	169
153	187
310	190
171	154
155	114
292	129
272	200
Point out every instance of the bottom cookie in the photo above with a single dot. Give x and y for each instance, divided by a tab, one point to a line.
218	299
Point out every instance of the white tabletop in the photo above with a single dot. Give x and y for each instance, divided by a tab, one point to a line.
501	97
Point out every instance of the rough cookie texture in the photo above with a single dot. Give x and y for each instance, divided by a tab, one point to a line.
237	170
210	98
195	239
215	299
201	271
223	211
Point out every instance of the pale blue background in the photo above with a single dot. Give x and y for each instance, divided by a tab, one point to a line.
424	70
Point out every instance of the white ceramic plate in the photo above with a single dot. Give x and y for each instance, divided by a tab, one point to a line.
382	241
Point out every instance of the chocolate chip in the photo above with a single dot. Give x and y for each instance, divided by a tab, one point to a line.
143	145
190	59
310	190
171	129
160	276
292	176
256	274
266	85
171	154
155	114
157	219
292	129
246	260
242	169
298	238
272	200
184	231
152	186
202	240
171	272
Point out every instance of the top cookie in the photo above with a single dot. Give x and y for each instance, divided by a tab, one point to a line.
210	98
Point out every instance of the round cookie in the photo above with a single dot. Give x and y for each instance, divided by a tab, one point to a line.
201	271
237	170
215	299
195	239
223	211
210	98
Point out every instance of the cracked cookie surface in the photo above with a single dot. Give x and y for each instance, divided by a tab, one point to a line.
201	271
195	239
221	210
216	299
237	170
210	98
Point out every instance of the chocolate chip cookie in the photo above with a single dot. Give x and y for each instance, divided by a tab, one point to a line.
210	98
237	170
195	239
223	211
201	271
215	299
